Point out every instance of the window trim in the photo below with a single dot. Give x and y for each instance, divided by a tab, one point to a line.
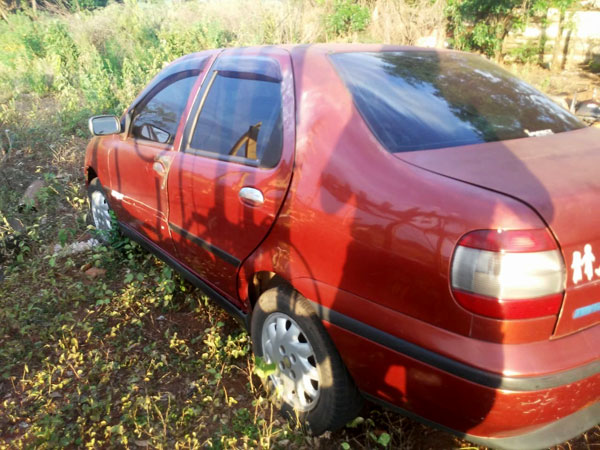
198	106
251	66
226	158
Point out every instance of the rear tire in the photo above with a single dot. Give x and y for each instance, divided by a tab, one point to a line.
311	385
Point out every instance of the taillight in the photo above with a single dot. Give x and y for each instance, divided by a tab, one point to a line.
508	274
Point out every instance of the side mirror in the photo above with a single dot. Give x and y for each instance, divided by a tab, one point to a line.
103	125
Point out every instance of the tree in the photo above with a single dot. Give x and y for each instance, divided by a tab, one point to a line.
562	6
484	24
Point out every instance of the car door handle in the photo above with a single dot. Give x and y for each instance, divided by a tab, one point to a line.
159	168
251	196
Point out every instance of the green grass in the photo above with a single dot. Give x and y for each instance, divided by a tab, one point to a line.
122	359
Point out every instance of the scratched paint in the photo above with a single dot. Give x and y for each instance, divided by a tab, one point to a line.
117	195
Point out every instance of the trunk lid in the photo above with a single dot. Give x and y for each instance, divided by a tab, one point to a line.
559	177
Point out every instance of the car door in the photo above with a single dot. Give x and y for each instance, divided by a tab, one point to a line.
231	177
140	161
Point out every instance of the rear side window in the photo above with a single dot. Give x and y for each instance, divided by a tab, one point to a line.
427	100
241	118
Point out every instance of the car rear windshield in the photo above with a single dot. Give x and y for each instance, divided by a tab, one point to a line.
418	100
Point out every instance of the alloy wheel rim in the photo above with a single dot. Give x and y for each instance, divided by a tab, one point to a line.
296	378
100	211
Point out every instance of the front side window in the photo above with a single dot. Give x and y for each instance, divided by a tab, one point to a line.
156	118
241	118
422	100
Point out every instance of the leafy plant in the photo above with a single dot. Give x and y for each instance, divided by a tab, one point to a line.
347	16
484	24
263	369
525	54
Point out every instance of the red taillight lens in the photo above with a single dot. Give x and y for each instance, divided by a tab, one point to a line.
514	241
514	274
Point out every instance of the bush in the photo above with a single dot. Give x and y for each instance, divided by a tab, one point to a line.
594	64
482	25
525	54
77	5
347	16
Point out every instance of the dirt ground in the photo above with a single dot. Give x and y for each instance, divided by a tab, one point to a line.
570	84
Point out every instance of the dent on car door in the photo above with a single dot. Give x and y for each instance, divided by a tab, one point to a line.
140	162
228	183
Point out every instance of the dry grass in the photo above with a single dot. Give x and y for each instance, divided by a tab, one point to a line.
408	23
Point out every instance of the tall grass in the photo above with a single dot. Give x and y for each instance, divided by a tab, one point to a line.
96	62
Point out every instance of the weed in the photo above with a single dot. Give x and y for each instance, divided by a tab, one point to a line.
347	17
594	65
525	54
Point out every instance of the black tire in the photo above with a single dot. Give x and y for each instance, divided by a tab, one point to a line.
338	401
103	235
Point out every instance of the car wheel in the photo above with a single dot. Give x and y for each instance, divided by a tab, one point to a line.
100	211
310	383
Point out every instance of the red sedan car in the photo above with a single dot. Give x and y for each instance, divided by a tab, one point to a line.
417	227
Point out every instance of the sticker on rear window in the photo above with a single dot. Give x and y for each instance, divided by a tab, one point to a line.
584	264
538	133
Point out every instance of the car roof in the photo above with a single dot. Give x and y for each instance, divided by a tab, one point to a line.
301	51
317	50
345	48
328	48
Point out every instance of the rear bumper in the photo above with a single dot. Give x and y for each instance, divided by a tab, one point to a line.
546	436
488	408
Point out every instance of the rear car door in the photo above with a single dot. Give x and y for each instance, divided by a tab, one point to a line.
140	161
230	178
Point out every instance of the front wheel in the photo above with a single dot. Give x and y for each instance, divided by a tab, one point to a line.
100	211
310	383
